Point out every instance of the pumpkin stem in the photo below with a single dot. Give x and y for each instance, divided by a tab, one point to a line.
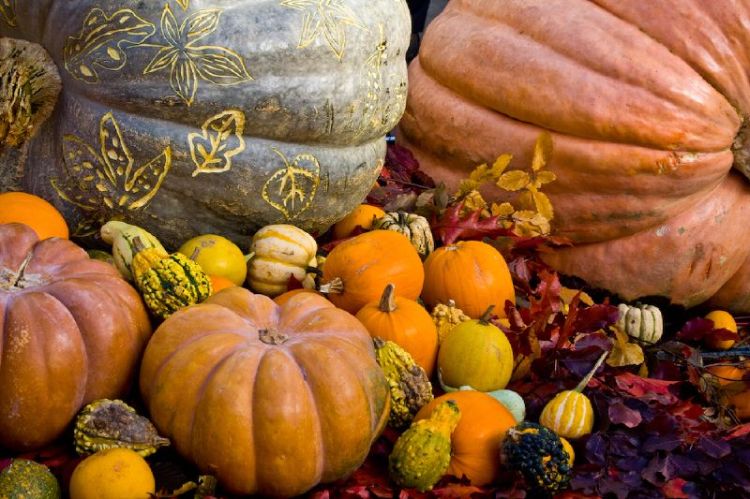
336	286
585	381
272	336
741	150
485	318
388	299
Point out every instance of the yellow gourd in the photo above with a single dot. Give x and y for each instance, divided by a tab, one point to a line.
446	316
570	413
117	473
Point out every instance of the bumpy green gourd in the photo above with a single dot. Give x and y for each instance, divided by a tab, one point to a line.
168	282
415	227
105	424
446	317
121	236
24	479
538	454
422	453
410	387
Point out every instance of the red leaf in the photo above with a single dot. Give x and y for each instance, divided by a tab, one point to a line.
674	489
450	226
647	388
695	329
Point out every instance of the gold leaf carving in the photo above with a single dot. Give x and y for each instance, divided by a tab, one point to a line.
8	12
101	42
106	181
184	4
326	18
220	139
188	62
291	189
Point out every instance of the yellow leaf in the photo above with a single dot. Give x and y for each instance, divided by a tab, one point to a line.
624	353
567	294
502	210
473	202
479	173
500	164
466	186
542	151
543	205
514	180
544	177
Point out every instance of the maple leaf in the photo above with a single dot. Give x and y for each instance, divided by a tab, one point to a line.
451	226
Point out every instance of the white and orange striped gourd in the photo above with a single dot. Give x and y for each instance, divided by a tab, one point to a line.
281	251
570	413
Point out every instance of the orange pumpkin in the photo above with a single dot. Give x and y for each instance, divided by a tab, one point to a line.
218	283
475	443
737	397
647	103
471	273
71	331
363	216
285	296
404	322
20	207
271	400
357	270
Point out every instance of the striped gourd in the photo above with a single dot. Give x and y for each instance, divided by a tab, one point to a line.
415	227
281	251
168	282
120	235
570	413
643	323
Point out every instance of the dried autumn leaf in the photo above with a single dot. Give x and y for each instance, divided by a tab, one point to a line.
543	205
474	201
624	353
101	42
514	180
542	151
220	139
451	226
502	210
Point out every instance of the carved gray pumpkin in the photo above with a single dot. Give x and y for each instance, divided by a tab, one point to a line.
220	116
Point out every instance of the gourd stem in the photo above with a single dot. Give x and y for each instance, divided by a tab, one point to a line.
485	318
336	286
587	378
138	245
195	253
388	299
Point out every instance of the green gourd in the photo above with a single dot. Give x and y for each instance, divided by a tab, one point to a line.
25	479
121	235
538	454
423	452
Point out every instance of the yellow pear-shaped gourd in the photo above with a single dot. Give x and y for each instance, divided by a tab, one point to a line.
570	413
121	235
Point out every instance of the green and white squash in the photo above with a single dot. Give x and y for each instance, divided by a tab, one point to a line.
415	227
189	117
643	323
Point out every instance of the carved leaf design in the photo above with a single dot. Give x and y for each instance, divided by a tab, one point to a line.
220	139
104	183
219	65
200	24
327	19
101	41
184	4
292	189
8	12
184	79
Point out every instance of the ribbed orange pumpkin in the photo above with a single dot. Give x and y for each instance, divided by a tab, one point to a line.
271	400
471	273
404	322
475	443
357	270
645	103
71	331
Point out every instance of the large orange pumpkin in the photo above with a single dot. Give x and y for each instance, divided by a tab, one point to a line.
645	102
72	331
475	443
269	399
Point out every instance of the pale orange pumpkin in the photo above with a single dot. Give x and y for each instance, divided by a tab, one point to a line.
647	103
357	270
271	400
363	216
71	331
404	322
284	297
475	443
471	273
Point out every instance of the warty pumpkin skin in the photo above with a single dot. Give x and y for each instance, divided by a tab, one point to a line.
270	400
72	332
644	102
208	116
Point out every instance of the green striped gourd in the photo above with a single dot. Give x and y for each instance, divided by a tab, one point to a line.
415	227
120	235
643	323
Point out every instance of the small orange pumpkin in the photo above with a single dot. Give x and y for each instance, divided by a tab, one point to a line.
737	397
37	213
475	442
363	216
471	273
404	322
358	269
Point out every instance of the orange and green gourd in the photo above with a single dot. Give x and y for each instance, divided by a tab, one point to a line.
168	282
423	452
570	413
